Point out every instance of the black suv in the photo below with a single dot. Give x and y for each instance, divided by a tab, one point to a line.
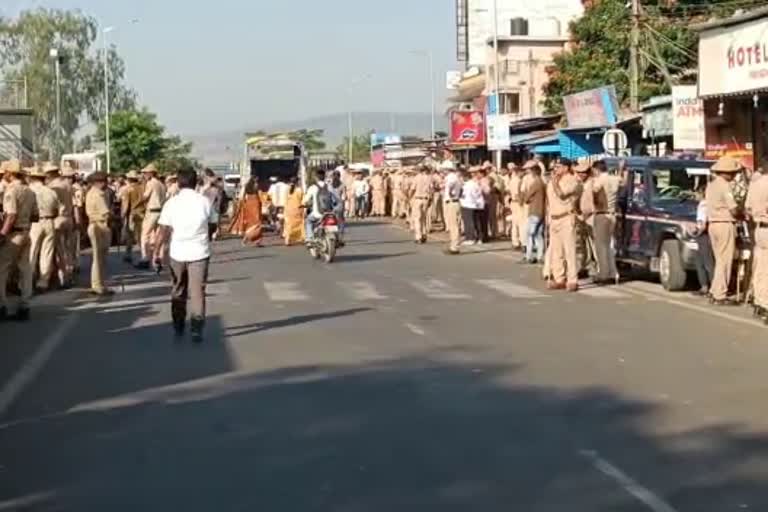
657	216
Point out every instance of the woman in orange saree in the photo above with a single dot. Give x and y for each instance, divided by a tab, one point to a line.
246	221
293	228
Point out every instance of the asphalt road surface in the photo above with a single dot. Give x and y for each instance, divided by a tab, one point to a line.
395	379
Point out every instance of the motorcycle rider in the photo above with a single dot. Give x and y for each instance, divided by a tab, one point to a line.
318	200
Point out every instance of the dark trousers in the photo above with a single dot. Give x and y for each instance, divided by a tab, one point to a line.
188	279
473	225
705	261
361	206
484	216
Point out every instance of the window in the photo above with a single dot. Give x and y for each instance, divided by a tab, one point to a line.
510	103
674	186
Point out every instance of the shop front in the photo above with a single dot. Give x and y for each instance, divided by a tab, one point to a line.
733	83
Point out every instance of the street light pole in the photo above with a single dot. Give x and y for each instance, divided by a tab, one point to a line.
56	150
497	73
104	33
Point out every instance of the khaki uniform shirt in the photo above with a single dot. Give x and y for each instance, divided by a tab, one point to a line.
19	200
606	191
96	205
154	193
377	183
757	199
534	195
47	201
515	188
571	188
65	193
720	201
587	201
132	200
78	195
421	187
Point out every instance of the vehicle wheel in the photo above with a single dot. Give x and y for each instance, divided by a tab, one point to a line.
329	254
671	272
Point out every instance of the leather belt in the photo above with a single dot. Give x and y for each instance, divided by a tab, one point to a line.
722	222
604	213
424	198
451	200
19	230
762	225
155	210
561	216
48	217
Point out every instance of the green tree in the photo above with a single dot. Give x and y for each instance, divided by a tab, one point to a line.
136	139
361	148
25	44
312	139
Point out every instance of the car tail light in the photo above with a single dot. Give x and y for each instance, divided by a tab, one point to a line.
330	221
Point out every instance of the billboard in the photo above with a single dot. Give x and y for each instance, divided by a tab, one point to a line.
592	108
385	138
468	128
687	118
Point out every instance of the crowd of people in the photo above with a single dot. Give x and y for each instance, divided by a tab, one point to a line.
48	213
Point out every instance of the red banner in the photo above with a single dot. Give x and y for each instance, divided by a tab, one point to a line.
468	128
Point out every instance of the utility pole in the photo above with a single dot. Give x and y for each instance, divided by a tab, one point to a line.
108	147
634	66
497	77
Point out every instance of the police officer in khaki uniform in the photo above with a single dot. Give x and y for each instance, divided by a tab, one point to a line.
722	211
43	232
518	216
606	190
63	224
98	211
20	211
757	207
452	209
563	195
586	218
78	215
420	192
132	210
154	196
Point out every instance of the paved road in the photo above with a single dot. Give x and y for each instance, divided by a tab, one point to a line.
394	379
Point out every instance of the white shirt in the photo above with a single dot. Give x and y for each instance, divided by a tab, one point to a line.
278	193
472	196
361	188
453	187
188	214
701	212
310	198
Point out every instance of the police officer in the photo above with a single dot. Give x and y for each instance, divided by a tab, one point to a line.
78	215
63	224
757	207
154	195
420	192
722	210
606	190
563	194
20	210
98	212
132	210
586	217
452	209
43	232
518	234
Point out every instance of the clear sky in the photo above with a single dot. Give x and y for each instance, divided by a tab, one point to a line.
213	65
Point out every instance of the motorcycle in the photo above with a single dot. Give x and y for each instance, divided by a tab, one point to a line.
325	239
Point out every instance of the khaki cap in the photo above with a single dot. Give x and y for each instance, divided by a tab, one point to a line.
150	168
36	172
50	167
727	164
13	167
132	175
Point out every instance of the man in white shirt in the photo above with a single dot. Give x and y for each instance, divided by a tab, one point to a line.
361	190
185	218
472	208
317	194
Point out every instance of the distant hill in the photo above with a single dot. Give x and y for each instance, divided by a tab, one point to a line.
227	146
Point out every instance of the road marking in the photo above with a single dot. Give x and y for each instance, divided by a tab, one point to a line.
643	494
510	289
415	329
436	289
602	293
281	291
143	286
34	365
361	290
708	310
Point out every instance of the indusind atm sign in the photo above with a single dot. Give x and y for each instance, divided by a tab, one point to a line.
734	59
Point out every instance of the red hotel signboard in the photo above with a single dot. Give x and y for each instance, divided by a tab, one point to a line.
468	128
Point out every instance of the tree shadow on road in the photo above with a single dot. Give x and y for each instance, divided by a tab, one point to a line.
358	258
431	432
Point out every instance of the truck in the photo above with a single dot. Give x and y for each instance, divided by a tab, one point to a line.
275	155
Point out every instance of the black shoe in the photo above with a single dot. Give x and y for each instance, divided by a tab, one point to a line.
449	252
142	265
22	315
423	239
196	325
179	317
158	267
